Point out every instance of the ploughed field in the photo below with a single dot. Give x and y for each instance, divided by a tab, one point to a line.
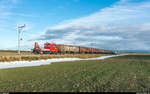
125	73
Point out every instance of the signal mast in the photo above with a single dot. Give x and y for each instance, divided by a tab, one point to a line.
19	31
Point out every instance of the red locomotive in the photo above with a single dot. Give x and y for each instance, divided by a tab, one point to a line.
49	48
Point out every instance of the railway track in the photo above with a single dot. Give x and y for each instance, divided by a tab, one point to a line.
47	55
34	55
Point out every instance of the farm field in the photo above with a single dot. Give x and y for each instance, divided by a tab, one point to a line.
135	53
2	52
126	73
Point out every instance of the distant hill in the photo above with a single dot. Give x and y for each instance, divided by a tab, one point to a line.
133	51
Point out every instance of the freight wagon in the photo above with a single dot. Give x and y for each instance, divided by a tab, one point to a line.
68	49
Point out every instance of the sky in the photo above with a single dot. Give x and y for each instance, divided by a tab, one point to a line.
104	24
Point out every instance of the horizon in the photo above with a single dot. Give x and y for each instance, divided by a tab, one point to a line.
118	51
103	24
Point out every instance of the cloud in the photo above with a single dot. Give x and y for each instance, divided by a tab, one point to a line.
5	12
6	15
6	6
124	25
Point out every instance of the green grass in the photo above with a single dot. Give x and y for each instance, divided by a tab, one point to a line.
135	53
127	73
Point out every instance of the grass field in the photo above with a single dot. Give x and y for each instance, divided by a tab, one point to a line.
126	73
135	53
14	52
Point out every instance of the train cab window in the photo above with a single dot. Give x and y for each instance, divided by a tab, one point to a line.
45	45
53	45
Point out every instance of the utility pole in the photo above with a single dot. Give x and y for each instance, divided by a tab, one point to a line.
19	31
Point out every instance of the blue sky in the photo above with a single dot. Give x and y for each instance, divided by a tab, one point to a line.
106	24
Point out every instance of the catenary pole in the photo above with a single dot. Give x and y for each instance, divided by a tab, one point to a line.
19	31
18	40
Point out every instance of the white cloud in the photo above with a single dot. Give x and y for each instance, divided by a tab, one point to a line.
124	24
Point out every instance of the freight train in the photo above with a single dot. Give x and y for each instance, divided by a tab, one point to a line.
52	48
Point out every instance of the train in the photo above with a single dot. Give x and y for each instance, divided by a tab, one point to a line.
53	48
